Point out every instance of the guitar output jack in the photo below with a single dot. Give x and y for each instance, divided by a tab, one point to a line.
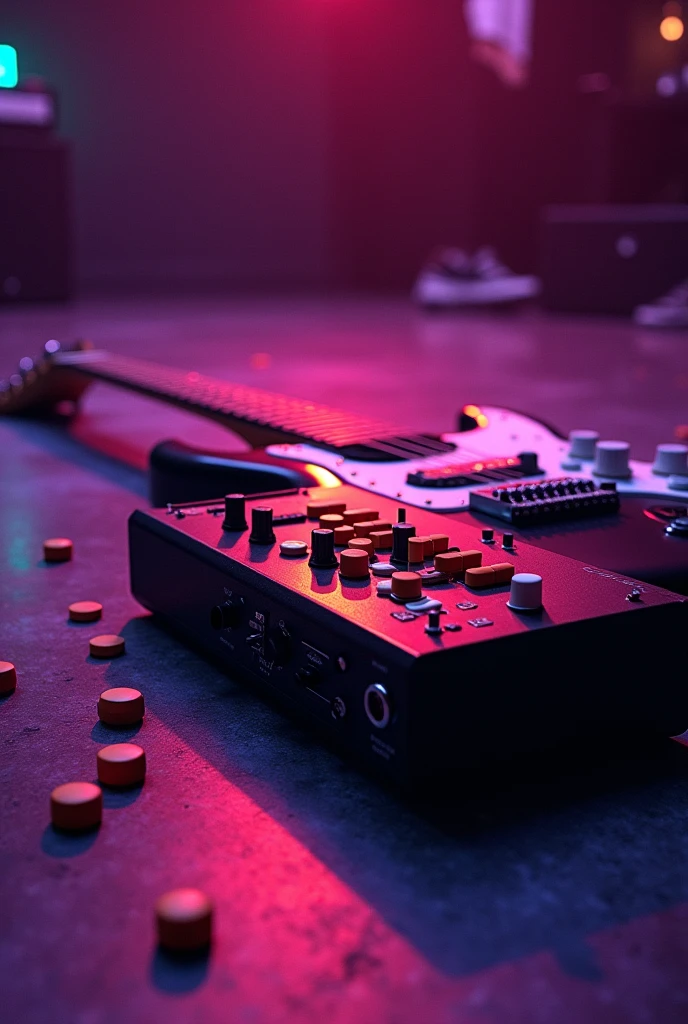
377	705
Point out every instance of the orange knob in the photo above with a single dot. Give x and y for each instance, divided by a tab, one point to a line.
406	585
353	564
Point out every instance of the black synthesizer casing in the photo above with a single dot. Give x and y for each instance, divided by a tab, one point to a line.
590	662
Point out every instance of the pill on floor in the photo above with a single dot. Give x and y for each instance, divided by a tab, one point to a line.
85	611
121	764
8	677
57	549
184	919
106	646
76	806
121	705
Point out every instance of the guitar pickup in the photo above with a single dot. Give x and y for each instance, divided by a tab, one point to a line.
480	471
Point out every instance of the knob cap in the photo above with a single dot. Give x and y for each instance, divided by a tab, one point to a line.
261	525
526	592
583	444
322	550
226	616
669	459
235	512
400	538
354	564
528	463
611	459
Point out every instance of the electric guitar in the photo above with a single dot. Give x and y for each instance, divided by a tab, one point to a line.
579	497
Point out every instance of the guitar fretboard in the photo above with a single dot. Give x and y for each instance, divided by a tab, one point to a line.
273	416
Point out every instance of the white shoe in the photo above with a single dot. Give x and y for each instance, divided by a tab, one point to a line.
452	278
669	311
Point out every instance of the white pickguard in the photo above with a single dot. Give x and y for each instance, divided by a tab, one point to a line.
506	434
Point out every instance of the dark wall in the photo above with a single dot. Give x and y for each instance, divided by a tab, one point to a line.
198	134
299	143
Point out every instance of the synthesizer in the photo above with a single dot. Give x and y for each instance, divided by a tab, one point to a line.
418	644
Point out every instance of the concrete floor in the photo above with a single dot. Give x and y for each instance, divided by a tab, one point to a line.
559	898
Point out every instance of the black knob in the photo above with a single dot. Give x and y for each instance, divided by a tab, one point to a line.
235	512
400	534
508	540
487	535
226	616
608	485
529	463
401	515
322	550
261	525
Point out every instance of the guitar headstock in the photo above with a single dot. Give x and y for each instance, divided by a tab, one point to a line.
40	385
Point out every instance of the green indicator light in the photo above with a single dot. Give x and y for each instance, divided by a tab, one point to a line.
8	66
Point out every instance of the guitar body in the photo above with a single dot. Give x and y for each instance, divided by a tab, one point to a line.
181	473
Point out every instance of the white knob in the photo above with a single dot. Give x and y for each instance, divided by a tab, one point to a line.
611	459
526	592
670	458
583	444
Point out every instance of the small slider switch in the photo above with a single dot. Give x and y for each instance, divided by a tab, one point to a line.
235	512
433	627
261	525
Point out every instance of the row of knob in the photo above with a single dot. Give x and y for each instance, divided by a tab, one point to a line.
611	458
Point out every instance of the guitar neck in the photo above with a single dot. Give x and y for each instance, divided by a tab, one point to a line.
261	417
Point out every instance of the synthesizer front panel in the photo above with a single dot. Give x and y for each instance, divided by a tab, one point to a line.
411	691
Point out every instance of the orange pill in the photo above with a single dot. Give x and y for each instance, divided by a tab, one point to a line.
362	544
503	572
359	515
121	764
8	677
482	576
382	539
472	559
353	564
450	562
57	549
371	526
315	509
121	705
343	534
330	521
440	542
76	806
406	585
416	549
106	646
184	919
85	611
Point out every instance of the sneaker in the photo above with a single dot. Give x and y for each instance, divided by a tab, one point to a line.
669	311
452	278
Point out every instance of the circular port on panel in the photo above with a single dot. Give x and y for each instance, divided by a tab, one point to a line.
377	705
